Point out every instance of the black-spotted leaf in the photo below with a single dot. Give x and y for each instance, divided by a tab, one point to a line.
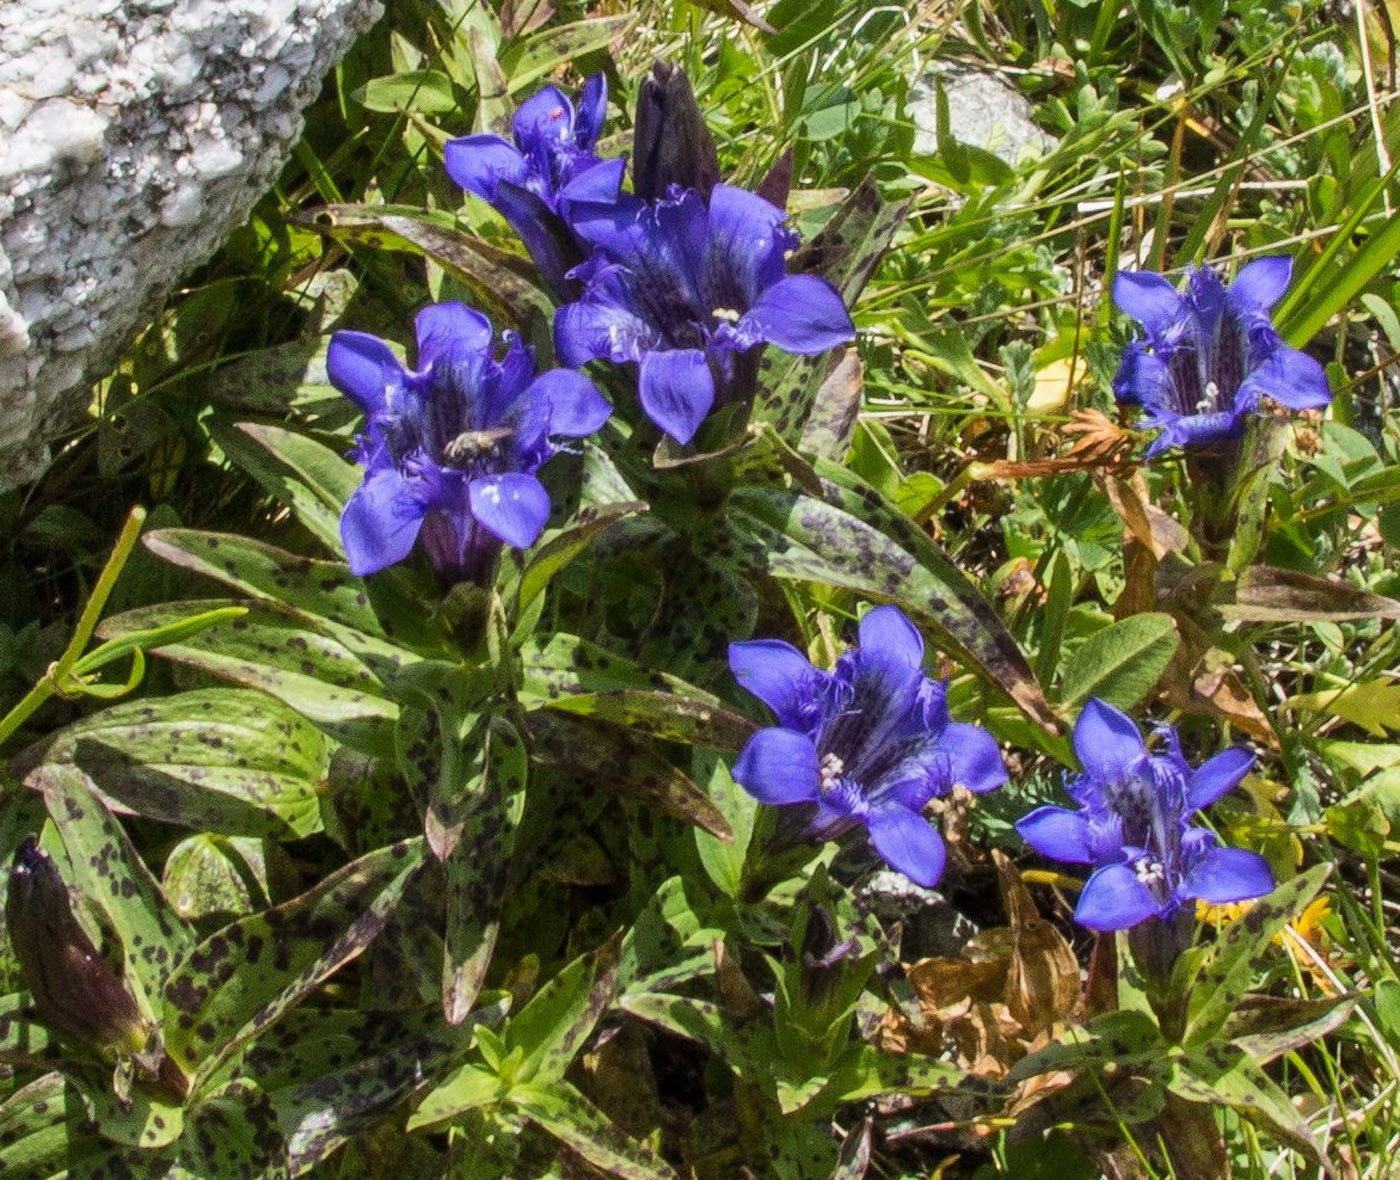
219	760
241	980
108	871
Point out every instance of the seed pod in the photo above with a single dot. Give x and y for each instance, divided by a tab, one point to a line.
77	994
670	142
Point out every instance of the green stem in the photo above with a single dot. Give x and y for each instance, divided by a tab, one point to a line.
59	670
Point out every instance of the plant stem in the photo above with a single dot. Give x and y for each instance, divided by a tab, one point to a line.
52	681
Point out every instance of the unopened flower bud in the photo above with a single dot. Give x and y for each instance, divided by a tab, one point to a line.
671	144
76	992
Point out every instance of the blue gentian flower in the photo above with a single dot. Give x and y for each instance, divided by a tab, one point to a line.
1208	357
686	289
450	449
1133	822
864	746
551	159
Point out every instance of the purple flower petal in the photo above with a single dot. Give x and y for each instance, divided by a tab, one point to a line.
542	231
576	408
596	184
1213	778
779	766
478	163
801	314
595	330
975	757
1150	299
364	369
442	327
512	506
1108	742
1114	899
746	248
908	843
1196	430
1223	875
1261	283
1143	378
778	675
380	522
546	117
1059	834
677	390
592	111
1291	378
885	633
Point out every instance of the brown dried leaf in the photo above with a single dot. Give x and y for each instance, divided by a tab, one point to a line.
1042	981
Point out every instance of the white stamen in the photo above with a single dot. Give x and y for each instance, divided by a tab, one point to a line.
831	771
1210	398
726	313
1150	872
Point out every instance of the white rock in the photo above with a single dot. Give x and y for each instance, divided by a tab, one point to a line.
134	135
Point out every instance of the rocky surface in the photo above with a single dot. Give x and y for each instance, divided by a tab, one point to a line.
133	137
983	110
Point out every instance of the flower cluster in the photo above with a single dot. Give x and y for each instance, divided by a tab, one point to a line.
1133	824
866	745
450	449
684	277
551	162
1209	357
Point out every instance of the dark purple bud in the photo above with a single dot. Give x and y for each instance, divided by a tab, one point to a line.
77	993
671	144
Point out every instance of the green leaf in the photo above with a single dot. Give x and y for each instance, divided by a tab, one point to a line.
668	944
331	1075
477	868
503	284
1266	594
1266	1027
857	540
109	871
566	544
845	252
664	715
239	981
36	1142
1374	705
1128	1037
428	91
465	1088
566	665
571	1118
1227	973
24	1041
618	762
1222	1075
532	57
217	760
320	520
270	650
1122	663
724	860
140	1121
320	588
551	1029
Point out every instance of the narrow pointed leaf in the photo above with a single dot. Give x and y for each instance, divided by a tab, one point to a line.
242	979
218	760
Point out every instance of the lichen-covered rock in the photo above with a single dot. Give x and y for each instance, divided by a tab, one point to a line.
982	110
134	134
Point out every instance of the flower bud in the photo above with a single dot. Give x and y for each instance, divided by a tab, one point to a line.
671	144
76	993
